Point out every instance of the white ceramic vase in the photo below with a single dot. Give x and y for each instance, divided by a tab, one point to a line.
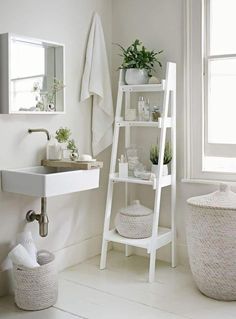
136	76
155	169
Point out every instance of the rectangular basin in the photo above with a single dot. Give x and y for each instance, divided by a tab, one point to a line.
43	181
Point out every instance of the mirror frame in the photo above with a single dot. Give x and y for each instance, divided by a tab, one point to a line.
5	68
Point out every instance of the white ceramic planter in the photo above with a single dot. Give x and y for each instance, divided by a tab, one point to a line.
155	169
136	76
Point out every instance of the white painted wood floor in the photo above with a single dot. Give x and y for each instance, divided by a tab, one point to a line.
121	291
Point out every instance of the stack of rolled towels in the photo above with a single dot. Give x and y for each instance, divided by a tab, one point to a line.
25	252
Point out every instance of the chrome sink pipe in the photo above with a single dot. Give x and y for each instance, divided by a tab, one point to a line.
33	130
31	215
42	218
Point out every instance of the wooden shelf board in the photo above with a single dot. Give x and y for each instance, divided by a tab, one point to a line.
72	164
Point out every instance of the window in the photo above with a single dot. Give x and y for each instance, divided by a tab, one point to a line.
26	73
211	76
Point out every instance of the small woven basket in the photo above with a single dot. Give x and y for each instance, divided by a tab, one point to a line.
36	288
211	238
134	221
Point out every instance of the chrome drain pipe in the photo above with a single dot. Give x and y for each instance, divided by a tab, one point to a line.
42	218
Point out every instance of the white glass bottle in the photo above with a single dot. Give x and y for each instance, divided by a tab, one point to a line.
54	150
141	107
146	110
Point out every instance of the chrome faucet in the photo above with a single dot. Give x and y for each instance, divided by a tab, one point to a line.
33	130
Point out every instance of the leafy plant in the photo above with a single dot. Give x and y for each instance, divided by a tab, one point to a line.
56	87
136	56
63	135
44	99
72	146
154	154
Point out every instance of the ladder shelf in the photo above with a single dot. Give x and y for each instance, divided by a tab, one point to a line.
160	235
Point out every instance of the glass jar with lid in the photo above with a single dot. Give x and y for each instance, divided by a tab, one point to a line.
156	113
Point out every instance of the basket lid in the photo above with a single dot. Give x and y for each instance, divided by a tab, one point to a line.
223	198
136	209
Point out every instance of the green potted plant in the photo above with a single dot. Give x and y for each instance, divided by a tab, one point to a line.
138	62
63	137
154	158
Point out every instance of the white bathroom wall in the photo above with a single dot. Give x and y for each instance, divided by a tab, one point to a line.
159	24
75	220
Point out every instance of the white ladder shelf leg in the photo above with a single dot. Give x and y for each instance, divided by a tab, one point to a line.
110	183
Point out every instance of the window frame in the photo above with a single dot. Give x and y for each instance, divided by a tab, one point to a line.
211	149
194	149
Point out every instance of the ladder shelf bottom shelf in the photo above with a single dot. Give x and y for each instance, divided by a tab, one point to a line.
166	180
164	237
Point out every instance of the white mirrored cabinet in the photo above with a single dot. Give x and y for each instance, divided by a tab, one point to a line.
31	76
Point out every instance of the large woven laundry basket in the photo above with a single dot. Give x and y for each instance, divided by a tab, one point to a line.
134	221
211	238
36	288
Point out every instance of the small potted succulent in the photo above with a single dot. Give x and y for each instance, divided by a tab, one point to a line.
138	62
154	158
63	137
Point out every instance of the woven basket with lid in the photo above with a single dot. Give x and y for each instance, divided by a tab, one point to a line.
211	238
134	221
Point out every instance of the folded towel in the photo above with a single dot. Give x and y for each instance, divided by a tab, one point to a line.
96	82
21	257
26	240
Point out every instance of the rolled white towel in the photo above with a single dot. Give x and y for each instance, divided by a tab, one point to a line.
26	240
20	256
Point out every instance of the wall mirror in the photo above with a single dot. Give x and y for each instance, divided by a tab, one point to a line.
32	75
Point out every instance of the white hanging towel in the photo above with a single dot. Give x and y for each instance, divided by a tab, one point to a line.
96	83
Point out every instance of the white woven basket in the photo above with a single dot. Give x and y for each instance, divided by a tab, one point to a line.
135	221
211	237
36	288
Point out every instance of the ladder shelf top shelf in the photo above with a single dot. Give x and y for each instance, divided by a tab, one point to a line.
163	238
144	87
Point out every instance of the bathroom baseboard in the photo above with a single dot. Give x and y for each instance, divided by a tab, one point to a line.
77	253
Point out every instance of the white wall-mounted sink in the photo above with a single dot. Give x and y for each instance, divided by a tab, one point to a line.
43	181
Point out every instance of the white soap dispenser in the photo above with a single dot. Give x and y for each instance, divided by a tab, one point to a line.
54	150
123	167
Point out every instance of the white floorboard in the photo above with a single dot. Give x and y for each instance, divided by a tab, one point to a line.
122	291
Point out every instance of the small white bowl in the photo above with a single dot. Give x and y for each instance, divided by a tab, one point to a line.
86	158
